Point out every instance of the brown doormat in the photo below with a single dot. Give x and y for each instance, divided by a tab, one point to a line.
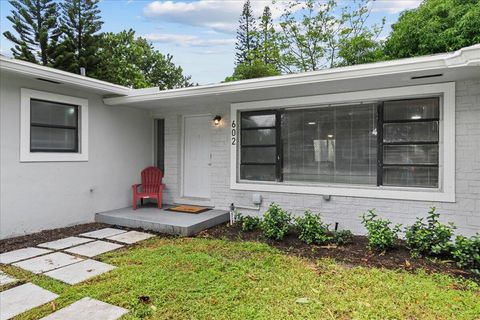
188	209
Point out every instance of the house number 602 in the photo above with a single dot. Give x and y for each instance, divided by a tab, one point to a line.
234	133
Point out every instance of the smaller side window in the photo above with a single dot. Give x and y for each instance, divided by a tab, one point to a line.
53	127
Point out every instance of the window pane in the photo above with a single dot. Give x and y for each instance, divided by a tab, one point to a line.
411	109
426	177
410	132
52	139
258	137
258	120
411	154
330	144
259	155
51	113
258	172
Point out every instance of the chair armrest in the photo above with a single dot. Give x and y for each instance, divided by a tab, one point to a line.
162	187
135	187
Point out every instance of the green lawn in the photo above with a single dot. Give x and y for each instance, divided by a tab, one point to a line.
195	278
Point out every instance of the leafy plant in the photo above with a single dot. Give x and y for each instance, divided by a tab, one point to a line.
247	223
466	252
431	237
342	237
381	234
276	222
311	228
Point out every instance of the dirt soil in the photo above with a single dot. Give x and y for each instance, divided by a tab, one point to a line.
355	254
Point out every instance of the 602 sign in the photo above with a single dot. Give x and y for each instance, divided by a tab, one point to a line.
234	133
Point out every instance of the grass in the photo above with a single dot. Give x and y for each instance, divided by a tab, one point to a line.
194	278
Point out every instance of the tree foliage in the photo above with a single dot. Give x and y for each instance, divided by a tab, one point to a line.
80	24
246	40
35	22
318	34
132	61
435	26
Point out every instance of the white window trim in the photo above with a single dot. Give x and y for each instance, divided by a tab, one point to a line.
446	190
25	155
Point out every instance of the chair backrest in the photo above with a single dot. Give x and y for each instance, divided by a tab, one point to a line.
151	179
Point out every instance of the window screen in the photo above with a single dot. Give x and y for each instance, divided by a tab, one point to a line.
53	127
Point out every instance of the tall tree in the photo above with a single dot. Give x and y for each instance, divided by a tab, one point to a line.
268	49
35	22
246	39
435	26
315	31
133	62
80	25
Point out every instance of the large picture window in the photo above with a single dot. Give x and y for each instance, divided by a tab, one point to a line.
386	143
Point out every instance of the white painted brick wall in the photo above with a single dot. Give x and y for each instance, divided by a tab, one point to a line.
465	213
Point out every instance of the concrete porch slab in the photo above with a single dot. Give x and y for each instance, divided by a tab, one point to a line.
64	243
93	249
160	220
88	308
78	272
23	298
48	262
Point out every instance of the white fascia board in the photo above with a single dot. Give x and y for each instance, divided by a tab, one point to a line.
63	77
463	57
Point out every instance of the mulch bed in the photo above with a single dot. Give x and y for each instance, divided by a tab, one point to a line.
351	255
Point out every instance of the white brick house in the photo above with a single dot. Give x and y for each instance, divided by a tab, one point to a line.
399	136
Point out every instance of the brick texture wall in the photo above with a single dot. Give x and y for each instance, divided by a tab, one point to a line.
465	213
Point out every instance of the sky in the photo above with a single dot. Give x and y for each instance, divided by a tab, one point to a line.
199	34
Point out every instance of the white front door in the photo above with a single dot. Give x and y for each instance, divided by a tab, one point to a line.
197	157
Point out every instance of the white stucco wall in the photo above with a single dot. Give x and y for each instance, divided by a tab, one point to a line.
465	212
44	195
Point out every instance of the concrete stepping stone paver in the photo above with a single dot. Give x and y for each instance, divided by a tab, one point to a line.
131	237
21	254
23	298
94	248
64	243
81	271
103	233
88	308
48	262
6	279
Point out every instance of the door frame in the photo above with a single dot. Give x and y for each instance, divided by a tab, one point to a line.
183	198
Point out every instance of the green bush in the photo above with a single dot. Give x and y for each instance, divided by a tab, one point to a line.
429	238
381	235
466	252
276	222
311	228
342	237
246	223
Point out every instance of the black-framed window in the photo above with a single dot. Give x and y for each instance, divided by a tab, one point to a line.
53	126
408	143
386	143
260	150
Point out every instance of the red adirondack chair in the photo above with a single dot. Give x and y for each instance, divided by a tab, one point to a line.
151	187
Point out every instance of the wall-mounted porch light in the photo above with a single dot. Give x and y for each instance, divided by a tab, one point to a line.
216	120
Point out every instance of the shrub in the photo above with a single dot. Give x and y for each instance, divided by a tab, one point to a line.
246	223
342	237
311	228
429	238
381	235
276	222
466	252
